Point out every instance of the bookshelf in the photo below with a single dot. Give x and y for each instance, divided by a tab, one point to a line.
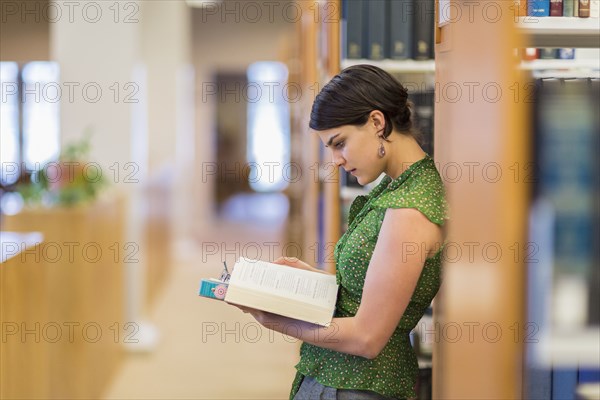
478	292
502	294
542	65
579	67
395	66
314	202
576	347
559	31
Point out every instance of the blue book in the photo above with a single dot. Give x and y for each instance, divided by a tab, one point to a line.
564	382
538	8
566	54
423	27
213	289
566	160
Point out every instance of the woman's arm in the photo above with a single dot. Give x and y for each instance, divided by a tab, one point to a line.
407	238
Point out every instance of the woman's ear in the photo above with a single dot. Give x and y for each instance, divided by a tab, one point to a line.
377	120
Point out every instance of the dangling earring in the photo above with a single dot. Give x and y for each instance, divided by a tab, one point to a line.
381	152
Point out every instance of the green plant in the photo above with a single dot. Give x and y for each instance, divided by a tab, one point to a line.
72	180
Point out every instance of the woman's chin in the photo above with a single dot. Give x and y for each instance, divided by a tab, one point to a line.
362	181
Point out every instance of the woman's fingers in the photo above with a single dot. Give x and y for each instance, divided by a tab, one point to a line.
292	262
244	309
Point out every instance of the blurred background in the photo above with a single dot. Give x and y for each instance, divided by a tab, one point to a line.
129	132
146	142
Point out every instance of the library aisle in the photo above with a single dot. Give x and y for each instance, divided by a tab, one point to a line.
208	350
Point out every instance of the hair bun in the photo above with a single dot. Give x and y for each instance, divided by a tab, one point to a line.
403	116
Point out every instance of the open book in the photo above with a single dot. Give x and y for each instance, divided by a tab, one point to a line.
291	292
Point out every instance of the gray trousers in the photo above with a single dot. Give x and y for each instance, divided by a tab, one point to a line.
310	389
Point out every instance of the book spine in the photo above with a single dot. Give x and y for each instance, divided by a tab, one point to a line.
344	30
530	54
594	8
556	8
538	8
424	109
594	279
567	138
568	8
584	8
522	8
424	15
547	53
355	29
564	383
566	54
376	29
401	28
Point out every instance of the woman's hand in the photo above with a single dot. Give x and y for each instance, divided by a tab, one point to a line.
296	263
259	316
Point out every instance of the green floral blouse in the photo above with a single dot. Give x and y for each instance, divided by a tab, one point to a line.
393	372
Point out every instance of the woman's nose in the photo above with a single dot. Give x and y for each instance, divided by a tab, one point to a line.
337	159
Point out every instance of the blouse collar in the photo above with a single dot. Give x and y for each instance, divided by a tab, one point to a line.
392	184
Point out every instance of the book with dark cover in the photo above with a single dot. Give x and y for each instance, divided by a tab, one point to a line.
556	8
377	29
423	107
566	160
354	27
566	54
401	29
594	280
423	23
548	53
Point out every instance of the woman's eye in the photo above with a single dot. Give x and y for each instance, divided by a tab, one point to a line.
339	145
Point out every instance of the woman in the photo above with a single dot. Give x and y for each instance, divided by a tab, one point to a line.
388	263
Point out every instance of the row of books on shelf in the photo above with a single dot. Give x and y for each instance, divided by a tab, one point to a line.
404	29
560	8
566	190
394	29
547	53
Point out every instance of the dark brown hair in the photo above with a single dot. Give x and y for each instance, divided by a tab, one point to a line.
351	95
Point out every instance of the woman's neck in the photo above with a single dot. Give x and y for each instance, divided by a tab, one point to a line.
403	152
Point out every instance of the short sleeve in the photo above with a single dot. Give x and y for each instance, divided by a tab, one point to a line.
423	191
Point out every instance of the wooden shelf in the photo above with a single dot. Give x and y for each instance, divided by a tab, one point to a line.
585	64
389	65
572	74
580	347
560	31
583	68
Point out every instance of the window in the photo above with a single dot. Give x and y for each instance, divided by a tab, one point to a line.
29	119
268	127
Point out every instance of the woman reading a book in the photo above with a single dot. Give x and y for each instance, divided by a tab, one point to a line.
388	262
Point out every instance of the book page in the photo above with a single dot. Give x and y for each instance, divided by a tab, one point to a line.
306	286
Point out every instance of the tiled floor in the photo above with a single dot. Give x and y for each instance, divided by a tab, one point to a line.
207	349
